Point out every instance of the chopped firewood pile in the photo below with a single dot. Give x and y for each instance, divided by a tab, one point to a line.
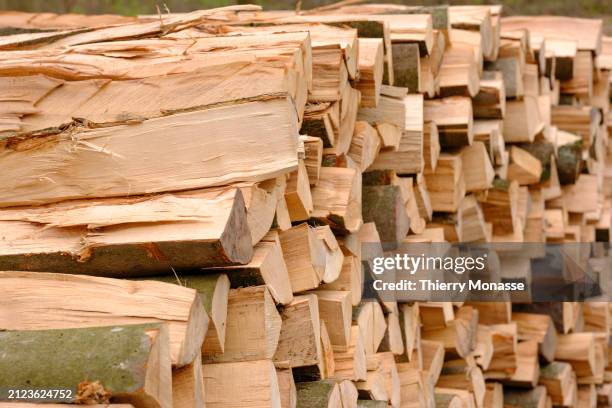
190	203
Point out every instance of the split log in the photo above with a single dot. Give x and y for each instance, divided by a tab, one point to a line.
253	327
214	293
304	256
453	117
313	156
368	315
373	387
477	169
297	194
350	361
267	267
188	385
133	236
446	186
560	382
522	121
527	370
523	167
241	384
166	169
494	395
286	387
335	310
299	344
365	145
503	363
537	327
97	300
578	349
133	364
336	199
384	205
350	279
331	252
459	336
463	375
371	67
490	102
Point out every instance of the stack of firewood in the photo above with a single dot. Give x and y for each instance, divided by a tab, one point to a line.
189	205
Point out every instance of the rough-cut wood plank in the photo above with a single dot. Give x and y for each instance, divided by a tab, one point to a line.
84	301
132	364
112	161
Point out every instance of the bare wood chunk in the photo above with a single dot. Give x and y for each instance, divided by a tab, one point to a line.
371	68
327	366
431	145
490	103
464	375
304	256
459	336
522	121
524	168
393	340
102	301
384	363
334	258
539	327
368	315
581	83
350	361
390	135
494	395
322	120
466	397
286	387
299	344
349	106
483	353
125	141
313	150
410	323
373	387
453	117
578	349
365	145
336	198
582	196
560	382
188	385
318	394
350	279
335	310
241	384
214	293
459	71
493	312
527	369
128	237
412	387
253	327
446	185
477	168
500	206
133	364
515	397
422	197
348	394
587	396
436	314
267	267
297	194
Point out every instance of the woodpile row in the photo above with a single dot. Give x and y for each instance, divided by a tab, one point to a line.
184	200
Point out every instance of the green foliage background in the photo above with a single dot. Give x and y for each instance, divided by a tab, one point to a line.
579	8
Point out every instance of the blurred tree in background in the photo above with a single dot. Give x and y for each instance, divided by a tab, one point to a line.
578	8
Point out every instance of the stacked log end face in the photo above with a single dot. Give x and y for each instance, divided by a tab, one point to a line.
188	203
